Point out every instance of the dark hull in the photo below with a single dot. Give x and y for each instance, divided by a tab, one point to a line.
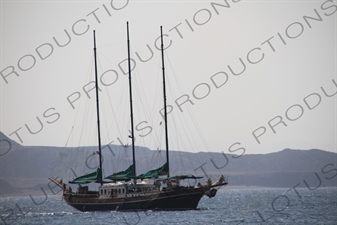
173	200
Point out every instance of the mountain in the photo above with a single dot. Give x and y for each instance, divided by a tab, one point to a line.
6	144
7	189
25	169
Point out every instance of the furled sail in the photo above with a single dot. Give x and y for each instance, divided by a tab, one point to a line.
88	178
181	177
154	173
123	175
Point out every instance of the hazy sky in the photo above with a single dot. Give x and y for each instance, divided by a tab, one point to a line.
254	74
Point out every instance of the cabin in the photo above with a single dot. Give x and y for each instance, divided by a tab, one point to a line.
128	189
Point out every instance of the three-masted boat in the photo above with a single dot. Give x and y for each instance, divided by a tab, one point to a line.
127	191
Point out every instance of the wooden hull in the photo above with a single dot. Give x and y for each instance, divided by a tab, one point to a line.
171	200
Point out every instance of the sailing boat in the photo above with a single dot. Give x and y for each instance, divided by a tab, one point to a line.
127	191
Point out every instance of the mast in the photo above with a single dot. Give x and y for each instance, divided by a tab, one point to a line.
165	110
131	108
98	121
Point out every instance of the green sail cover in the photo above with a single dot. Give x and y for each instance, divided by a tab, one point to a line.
89	178
181	177
123	175
154	173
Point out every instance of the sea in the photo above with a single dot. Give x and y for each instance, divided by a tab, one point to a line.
229	206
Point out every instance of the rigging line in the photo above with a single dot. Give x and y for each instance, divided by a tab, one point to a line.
139	89
153	162
178	142
108	59
199	131
111	105
123	154
64	148
177	134
117	160
156	100
80	102
117	43
108	166
125	111
71	131
114	116
86	112
174	73
141	102
159	137
189	110
158	159
122	111
189	137
119	109
147	111
203	139
152	61
195	123
102	99
104	108
77	153
156	117
158	89
182	122
183	164
88	125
